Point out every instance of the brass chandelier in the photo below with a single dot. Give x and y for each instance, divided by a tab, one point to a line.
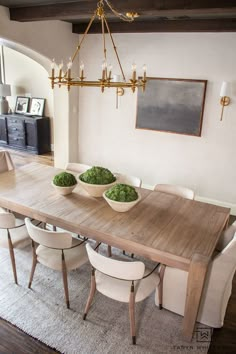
107	79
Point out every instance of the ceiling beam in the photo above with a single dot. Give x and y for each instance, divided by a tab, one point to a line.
84	9
219	25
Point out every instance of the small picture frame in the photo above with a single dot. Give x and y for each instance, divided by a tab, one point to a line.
37	106
22	104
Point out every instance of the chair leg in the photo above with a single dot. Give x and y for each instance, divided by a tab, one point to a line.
54	228
64	276
12	256
91	294
109	251
132	313
34	263
160	285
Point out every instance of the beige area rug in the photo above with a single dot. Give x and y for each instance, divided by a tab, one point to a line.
41	312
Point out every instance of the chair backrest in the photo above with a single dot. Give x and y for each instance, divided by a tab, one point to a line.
77	167
7	220
226	237
52	239
175	190
131	180
117	269
6	163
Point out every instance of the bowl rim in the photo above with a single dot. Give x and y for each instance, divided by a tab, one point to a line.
54	185
92	184
117	202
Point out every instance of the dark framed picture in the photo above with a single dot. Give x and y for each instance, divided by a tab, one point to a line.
37	106
172	105
22	104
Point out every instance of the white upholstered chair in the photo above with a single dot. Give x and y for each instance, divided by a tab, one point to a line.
56	250
226	237
175	190
77	167
127	179
12	235
121	281
6	163
216	291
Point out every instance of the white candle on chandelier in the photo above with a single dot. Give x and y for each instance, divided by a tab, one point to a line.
104	69
144	71
109	71
81	70
69	66
53	67
60	70
134	66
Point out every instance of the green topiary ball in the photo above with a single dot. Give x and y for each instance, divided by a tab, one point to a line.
64	179
97	175
122	193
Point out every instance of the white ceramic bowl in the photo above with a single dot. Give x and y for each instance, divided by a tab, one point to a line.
64	190
95	190
121	207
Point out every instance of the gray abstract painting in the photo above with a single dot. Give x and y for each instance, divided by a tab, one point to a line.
172	105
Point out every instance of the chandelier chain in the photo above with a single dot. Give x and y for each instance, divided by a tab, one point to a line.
117	13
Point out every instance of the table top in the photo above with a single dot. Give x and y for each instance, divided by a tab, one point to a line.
161	227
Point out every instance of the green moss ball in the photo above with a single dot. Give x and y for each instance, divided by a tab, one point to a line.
64	179
97	175
122	193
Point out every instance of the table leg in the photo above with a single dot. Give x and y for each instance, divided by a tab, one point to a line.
196	278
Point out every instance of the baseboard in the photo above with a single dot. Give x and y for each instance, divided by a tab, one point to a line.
218	202
207	200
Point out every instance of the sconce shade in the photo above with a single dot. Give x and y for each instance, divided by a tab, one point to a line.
224	91
5	90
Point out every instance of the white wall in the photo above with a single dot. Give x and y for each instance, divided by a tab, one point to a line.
108	136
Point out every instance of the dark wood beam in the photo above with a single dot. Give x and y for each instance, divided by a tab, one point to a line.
219	25
84	9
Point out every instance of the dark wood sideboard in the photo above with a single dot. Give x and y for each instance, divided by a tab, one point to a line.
22	132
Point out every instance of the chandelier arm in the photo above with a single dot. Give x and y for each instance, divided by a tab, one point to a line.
85	33
114	47
82	39
104	39
100	84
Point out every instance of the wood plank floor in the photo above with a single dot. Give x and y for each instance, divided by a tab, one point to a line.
14	341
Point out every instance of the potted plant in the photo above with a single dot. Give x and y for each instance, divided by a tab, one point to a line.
96	180
64	183
122	197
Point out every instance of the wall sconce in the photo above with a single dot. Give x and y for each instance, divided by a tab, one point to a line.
224	94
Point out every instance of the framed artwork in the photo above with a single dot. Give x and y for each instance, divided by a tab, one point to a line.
37	106
22	104
172	105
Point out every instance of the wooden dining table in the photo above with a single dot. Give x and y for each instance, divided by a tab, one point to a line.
164	228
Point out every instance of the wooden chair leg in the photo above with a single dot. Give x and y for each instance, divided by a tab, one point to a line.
91	294
160	285
12	256
54	228
34	263
96	246
109	251
64	276
132	313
